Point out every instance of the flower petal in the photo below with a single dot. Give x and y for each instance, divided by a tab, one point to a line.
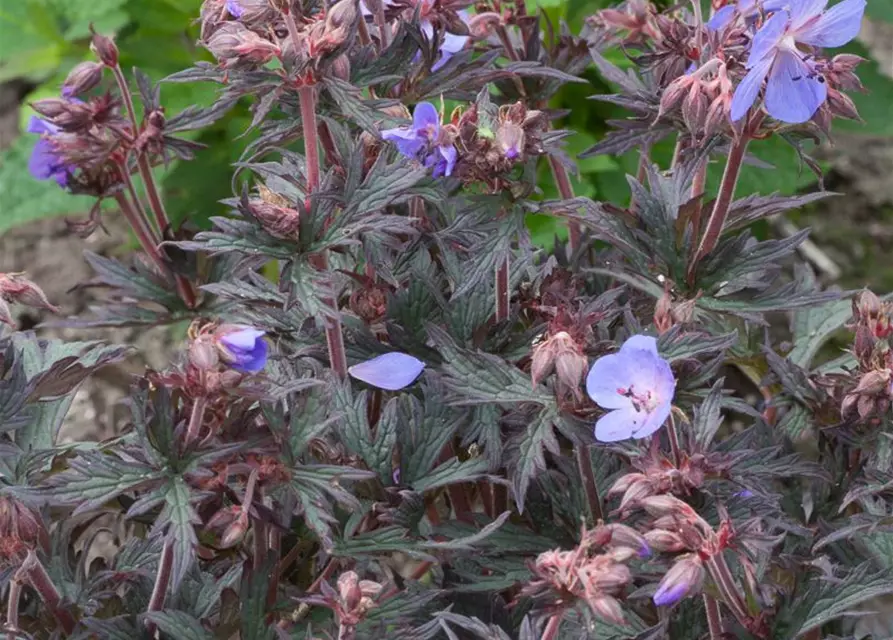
615	426
44	163
653	422
607	375
765	42
39	125
640	343
722	17
836	27
793	92
746	92
253	360
243	338
405	139
669	594
802	11
424	116
391	371
235	9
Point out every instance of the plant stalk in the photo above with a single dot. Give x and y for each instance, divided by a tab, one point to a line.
697	191
722	577
723	201
674	441
162	579
551	630
33	572
143	234
566	190
196	418
714	618
584	465
12	609
334	335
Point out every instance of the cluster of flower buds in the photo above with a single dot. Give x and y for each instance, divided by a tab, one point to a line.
274	213
350	602
246	34
594	572
21	531
16	288
872	392
657	475
561	352
492	146
669	314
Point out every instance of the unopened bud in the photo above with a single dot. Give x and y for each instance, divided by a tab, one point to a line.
14	287
607	608
341	67
510	141
84	77
842	105
865	406
625	482
233	43
629	537
481	25
349	590
667	505
282	222
674	93
235	532
683	578
663	319
203	353
867	305
664	541
570	362
694	109
51	107
873	382
636	493
105	49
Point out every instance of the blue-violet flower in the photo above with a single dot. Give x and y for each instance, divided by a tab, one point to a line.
45	162
637	385
389	371
425	140
684	577
242	348
796	88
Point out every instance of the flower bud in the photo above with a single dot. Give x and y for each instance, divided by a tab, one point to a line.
510	141
51	107
242	348
235	532
694	109
637	491
664	541
481	25
667	505
873	382
349	590
608	608
684	577
281	222
14	287
341	67
105	49
629	537
570	362
84	77
541	362
233	43
674	93
203	353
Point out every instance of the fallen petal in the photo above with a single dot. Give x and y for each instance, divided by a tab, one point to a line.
391	371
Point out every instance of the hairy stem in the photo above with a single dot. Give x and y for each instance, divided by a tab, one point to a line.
334	335
143	234
584	465
551	630
503	295
196	419
722	577
566	190
697	191
34	573
12	609
163	577
714	618
723	201
184	287
674	441
383	29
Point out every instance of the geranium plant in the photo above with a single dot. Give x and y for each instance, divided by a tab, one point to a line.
394	415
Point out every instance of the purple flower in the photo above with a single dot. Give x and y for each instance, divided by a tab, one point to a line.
424	140
242	348
45	162
235	9
795	89
452	43
390	371
685	576
637	385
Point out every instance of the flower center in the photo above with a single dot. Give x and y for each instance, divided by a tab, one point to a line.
642	401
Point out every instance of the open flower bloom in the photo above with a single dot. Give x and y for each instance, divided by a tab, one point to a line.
424	140
389	371
637	385
795	88
242	348
45	163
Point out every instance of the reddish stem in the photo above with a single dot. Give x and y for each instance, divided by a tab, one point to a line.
698	185
34	573
196	419
584	465
143	234
551	630
566	190
714	618
12	609
162	579
674	441
334	335
723	201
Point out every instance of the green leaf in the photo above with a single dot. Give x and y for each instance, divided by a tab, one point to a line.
531	445
814	325
452	471
178	624
180	515
253	597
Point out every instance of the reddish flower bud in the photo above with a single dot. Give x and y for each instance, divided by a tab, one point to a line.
873	382
233	43
668	505
481	25
282	222
203	353
105	49
664	541
636	493
683	578
84	77
629	537
694	109
608	608
510	141
235	532
14	287
341	67
674	93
